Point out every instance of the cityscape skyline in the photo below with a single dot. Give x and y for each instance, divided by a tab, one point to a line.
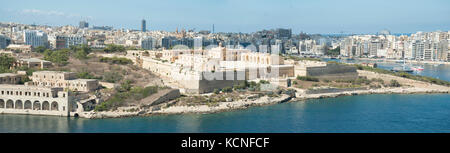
235	16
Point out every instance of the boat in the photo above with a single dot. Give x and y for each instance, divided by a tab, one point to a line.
402	69
399	61
418	68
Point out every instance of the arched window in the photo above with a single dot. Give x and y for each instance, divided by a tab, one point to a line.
19	104
54	106
27	105
45	105
10	104
36	105
2	103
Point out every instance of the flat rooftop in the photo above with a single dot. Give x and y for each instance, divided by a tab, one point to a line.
33	60
8	74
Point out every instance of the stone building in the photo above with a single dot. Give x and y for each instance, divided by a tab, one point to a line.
21	48
32	63
10	78
66	80
202	71
21	99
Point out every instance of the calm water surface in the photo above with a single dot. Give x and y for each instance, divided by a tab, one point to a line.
364	113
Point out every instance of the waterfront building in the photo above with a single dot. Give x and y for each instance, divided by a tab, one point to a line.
428	46
21	99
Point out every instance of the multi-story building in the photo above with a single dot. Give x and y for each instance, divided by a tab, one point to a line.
284	33
65	80
35	38
33	63
4	41
22	99
143	26
60	42
10	78
147	43
431	46
198	43
83	24
65	41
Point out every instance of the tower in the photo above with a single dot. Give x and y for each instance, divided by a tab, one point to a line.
143	26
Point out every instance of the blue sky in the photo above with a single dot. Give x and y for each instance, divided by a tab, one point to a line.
318	16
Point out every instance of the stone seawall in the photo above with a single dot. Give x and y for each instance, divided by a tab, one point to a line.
402	90
332	90
32	112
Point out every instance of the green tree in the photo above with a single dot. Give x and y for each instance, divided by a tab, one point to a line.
80	51
5	63
112	77
111	48
59	56
395	83
334	52
40	49
227	89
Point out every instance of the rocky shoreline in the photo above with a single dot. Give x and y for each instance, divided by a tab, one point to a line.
411	90
265	100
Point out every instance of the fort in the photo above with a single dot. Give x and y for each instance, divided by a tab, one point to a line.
202	71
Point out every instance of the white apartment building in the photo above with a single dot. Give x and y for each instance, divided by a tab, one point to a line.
35	38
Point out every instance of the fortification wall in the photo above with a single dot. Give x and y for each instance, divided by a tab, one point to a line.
165	96
333	72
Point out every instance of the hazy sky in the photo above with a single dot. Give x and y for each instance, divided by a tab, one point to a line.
312	16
